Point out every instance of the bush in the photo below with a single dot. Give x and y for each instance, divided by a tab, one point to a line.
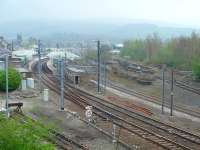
196	68
14	79
15	135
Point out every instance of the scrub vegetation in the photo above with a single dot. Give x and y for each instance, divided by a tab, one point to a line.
19	134
178	52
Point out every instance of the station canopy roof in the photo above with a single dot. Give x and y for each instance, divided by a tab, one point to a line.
22	70
75	70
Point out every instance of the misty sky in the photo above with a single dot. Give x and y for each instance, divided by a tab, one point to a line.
184	12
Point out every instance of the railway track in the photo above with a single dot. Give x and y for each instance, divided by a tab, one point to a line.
61	141
183	85
163	135
50	81
149	122
153	99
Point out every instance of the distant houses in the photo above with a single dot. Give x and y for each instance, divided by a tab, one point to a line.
4	51
118	46
116	49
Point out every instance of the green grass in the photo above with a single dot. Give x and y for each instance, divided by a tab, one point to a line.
18	134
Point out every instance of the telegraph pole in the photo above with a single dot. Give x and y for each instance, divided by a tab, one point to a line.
65	58
12	46
98	72
6	70
105	76
172	92
163	88
61	65
39	64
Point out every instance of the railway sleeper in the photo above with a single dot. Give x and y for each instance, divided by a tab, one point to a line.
154	138
170	130
190	137
172	147
140	132
187	136
145	134
137	130
175	148
61	142
162	142
167	144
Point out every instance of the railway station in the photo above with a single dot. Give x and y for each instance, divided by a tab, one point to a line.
117	100
101	80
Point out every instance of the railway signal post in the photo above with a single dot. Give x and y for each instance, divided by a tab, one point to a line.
88	113
114	133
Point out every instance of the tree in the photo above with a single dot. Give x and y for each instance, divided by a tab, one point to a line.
14	79
135	49
196	68
152	46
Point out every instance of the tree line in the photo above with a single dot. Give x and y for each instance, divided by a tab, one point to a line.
179	52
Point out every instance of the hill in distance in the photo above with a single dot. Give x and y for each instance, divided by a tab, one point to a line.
90	30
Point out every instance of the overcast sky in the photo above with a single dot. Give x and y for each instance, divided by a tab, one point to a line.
185	12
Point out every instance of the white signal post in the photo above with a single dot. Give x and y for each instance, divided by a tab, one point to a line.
88	113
